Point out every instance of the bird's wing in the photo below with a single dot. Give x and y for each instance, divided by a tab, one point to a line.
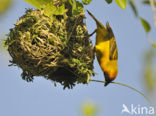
113	54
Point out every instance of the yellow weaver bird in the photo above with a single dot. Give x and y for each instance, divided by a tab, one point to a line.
106	50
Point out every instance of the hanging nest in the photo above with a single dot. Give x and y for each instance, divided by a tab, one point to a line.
57	48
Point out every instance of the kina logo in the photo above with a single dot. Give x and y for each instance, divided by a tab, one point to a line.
138	109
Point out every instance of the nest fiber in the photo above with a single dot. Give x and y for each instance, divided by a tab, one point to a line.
57	48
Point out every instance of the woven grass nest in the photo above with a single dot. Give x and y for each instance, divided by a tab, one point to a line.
55	48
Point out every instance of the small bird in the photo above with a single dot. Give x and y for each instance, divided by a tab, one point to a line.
106	50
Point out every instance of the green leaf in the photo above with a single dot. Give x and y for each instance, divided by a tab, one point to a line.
2	44
86	2
70	1
121	3
149	78
133	7
145	25
4	5
77	7
149	54
109	1
64	0
50	9
60	10
154	45
48	6
76	61
38	3
149	69
147	2
89	109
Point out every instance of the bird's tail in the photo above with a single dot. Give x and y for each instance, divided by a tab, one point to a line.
97	22
92	16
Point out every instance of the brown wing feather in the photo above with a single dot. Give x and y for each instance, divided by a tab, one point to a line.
113	50
113	46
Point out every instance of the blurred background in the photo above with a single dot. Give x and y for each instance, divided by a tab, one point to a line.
137	64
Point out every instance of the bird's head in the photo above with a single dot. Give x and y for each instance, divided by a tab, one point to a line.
109	77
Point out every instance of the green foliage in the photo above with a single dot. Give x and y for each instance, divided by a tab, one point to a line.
149	79
109	1
86	2
48	6
77	7
50	9
1	44
38	3
133	7
145	25
121	3
4	5
154	45
89	109
70	1
148	2
149	67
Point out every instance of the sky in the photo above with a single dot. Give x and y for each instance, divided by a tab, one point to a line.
19	98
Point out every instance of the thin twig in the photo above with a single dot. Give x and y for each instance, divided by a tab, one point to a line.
151	42
129	88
